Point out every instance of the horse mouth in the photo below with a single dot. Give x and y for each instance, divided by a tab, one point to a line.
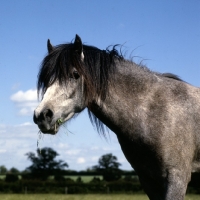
51	129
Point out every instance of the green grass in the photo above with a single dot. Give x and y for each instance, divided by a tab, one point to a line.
2	177
81	197
72	197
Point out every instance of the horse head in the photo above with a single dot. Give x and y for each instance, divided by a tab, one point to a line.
61	98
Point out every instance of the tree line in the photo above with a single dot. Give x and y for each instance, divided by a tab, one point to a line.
45	164
35	178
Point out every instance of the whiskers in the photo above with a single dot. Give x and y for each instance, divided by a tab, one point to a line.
67	131
59	136
55	128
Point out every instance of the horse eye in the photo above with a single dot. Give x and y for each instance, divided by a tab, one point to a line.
76	75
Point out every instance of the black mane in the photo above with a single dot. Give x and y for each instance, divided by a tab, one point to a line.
96	68
173	76
98	65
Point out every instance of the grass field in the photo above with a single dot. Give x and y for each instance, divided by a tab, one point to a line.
81	197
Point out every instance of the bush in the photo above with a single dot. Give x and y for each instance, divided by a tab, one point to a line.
35	176
11	178
111	175
124	186
77	189
95	180
69	180
59	178
79	180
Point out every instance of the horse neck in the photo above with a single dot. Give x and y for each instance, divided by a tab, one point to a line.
125	94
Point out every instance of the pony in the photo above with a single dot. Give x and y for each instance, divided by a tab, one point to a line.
155	116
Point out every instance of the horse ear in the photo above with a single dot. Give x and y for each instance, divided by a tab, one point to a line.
49	46
78	46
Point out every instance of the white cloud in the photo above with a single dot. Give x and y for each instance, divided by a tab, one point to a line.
94	148
25	124
2	150
15	142
26	101
95	158
73	152
20	96
81	160
27	110
76	143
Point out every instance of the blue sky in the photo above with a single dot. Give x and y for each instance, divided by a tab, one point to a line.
165	33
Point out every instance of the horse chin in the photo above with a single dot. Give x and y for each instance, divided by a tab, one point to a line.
54	127
52	130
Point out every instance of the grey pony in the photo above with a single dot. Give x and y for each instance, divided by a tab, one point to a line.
156	117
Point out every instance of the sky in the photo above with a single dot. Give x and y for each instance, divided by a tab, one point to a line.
166	34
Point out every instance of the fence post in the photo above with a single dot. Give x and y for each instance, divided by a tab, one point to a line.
66	190
25	189
108	190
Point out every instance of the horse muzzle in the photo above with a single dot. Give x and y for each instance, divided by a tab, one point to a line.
44	120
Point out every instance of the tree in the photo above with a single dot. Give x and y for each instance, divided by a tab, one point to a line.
14	170
3	169
44	164
11	178
109	167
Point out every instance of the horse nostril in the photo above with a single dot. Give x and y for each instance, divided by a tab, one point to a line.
48	115
43	117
